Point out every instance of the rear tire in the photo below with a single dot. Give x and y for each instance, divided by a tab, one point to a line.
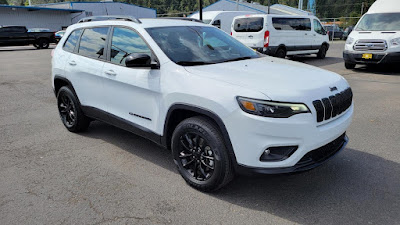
200	154
42	43
322	52
349	66
70	111
280	53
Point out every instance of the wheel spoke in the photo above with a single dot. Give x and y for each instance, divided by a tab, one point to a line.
195	141
188	140
202	171
195	169
183	155
204	163
188	163
201	142
208	157
184	145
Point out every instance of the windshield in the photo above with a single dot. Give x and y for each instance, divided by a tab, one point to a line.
380	22
197	45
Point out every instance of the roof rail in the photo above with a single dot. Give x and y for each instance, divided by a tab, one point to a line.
182	18
102	18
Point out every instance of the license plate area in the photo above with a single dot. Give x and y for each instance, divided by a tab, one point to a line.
367	56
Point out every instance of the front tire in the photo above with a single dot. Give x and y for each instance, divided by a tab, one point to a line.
200	154
70	112
322	52
349	66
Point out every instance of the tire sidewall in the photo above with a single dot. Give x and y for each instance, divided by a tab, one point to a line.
219	151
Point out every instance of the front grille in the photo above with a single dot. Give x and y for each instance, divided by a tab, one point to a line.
334	105
321	154
370	45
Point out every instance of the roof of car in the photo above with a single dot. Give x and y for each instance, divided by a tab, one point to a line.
144	23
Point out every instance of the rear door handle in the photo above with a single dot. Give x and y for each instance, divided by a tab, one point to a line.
110	72
72	63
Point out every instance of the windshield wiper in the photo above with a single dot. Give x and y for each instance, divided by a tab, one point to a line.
238	59
192	63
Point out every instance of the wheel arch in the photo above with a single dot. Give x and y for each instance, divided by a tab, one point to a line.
60	82
178	112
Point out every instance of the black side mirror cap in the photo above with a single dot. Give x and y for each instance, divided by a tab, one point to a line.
140	60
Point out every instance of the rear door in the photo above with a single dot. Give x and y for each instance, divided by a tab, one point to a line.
131	93
84	67
250	30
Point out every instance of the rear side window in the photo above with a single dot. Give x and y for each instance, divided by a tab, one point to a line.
93	42
71	41
302	24
124	43
251	24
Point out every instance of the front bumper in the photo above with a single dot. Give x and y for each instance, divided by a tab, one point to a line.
309	161
251	135
377	58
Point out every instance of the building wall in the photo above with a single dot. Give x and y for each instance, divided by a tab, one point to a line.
54	20
105	8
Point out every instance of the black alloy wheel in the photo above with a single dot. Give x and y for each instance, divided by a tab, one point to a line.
67	110
196	156
200	154
70	112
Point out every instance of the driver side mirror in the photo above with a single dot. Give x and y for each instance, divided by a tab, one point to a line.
217	23
140	60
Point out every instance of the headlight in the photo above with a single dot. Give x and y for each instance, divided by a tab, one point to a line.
271	109
395	42
349	41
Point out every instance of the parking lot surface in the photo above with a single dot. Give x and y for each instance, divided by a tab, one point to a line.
109	176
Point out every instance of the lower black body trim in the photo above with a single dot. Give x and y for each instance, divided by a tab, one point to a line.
377	58
304	164
109	118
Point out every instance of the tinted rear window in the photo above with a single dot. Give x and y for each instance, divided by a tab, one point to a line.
280	23
93	41
71	42
251	24
13	29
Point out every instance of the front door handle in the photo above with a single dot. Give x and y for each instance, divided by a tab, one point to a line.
72	63
110	72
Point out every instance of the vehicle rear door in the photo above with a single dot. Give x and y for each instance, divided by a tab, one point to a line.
84	67
250	31
131	93
19	35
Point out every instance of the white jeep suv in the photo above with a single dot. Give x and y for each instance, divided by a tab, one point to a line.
218	105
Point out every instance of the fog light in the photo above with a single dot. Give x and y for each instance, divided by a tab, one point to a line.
277	153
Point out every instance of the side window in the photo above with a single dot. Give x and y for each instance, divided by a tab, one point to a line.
93	42
71	41
125	42
303	24
318	28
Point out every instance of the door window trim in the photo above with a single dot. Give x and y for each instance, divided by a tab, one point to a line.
109	42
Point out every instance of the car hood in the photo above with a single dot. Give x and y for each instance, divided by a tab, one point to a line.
386	35
278	79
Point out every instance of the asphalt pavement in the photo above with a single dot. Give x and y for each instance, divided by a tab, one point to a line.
109	176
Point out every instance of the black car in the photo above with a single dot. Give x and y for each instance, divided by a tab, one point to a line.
346	32
334	30
19	35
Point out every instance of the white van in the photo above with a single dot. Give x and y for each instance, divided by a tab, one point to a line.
282	35
221	19
376	37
